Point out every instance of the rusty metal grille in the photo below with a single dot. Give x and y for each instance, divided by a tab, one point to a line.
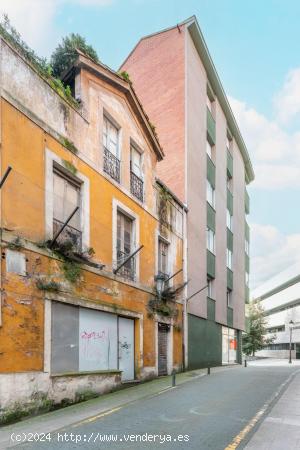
69	234
137	186
129	269
111	165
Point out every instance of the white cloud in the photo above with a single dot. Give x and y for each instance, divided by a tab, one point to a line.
34	20
275	153
272	252
287	100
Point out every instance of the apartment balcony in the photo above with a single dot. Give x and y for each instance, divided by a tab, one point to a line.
111	165
68	235
136	186
129	269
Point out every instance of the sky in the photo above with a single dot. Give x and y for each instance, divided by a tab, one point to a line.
254	45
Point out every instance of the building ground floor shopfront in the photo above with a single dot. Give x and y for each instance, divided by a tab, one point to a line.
212	344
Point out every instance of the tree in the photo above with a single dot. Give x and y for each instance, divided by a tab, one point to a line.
66	53
255	337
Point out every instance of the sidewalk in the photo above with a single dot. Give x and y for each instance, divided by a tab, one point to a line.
50	422
281	427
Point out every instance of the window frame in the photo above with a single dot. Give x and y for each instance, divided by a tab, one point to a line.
210	190
52	158
108	118
229	259
210	239
229	220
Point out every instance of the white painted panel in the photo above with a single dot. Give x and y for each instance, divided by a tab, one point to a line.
15	262
97	340
126	348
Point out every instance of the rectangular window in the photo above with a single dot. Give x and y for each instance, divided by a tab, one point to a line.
228	143
67	197
229	183
111	150
247	279
229	259
110	137
210	194
136	174
229	220
229	298
210	240
209	103
125	245
209	150
163	250
247	247
210	292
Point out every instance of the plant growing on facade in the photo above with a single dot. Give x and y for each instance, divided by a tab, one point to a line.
255	337
66	53
69	145
70	167
16	244
45	70
46	285
125	76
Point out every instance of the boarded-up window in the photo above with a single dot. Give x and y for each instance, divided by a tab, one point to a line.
163	249
98	343
15	262
83	339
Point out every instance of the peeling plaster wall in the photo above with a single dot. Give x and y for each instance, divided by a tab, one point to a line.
23	387
32	119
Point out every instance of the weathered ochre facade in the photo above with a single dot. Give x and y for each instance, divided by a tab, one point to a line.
37	127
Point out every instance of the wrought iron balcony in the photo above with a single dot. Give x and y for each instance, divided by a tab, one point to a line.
128	270
136	186
69	234
111	164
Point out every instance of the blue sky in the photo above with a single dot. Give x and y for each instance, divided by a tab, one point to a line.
254	45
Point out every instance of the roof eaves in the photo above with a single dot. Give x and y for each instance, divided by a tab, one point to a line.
89	64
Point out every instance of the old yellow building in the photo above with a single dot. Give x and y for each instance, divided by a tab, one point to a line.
77	312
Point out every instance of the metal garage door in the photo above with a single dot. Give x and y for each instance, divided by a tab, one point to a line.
126	348
163	330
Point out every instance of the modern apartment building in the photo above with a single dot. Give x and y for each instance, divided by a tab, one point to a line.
86	232
207	166
280	298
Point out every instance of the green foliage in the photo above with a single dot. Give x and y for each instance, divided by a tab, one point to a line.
72	270
50	286
39	404
16	244
125	76
71	168
255	337
163	305
69	145
10	34
66	53
82	396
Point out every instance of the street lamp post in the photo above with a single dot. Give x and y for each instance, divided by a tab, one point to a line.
291	323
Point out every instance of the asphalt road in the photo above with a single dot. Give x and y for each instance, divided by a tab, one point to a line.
206	413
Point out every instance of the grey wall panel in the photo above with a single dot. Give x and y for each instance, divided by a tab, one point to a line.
64	342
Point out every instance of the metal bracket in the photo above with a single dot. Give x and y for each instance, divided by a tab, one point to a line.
115	271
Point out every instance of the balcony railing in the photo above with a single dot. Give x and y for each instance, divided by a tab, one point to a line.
69	234
111	164
128	270
136	186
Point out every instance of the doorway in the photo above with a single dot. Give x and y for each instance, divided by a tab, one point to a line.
163	335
